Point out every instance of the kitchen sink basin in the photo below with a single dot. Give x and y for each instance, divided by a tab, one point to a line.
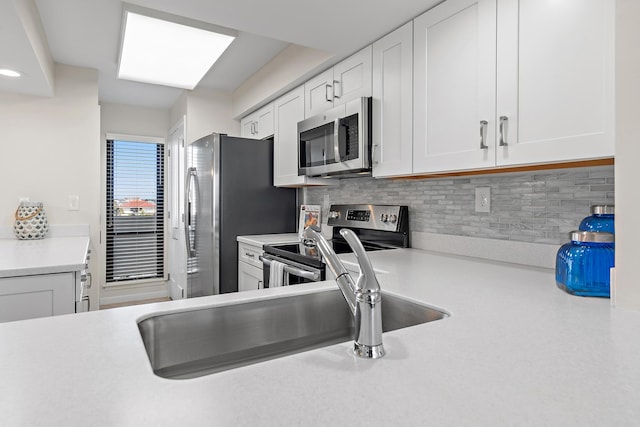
193	343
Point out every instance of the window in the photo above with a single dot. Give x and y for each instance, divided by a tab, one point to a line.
134	211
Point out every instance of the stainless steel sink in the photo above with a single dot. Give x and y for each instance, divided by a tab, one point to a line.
193	343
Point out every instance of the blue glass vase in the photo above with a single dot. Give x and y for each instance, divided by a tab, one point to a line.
602	219
582	265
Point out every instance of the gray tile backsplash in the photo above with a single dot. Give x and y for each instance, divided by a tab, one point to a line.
540	207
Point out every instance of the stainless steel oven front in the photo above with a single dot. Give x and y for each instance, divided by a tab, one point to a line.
337	142
295	273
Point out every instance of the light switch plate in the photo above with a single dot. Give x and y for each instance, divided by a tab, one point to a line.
73	203
483	199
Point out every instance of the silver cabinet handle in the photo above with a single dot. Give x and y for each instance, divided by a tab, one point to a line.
374	148
249	255
336	85
504	128
483	134
326	93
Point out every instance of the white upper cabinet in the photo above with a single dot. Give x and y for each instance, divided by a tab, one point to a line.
555	80
393	103
288	111
350	79
318	93
454	86
258	124
512	82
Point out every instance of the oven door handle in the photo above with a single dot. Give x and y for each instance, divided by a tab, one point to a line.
311	275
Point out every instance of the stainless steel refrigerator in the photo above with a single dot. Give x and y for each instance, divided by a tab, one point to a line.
229	192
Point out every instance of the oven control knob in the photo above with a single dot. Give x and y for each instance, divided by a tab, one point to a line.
393	218
334	214
384	217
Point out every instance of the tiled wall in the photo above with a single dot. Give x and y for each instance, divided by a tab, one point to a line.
540	207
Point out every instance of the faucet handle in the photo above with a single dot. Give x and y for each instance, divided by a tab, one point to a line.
367	279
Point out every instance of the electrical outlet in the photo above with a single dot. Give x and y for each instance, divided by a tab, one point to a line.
483	199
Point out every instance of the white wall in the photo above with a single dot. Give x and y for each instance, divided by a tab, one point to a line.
130	120
291	67
134	121
207	111
627	154
51	149
178	110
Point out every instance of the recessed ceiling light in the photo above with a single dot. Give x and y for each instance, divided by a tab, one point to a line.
9	73
169	52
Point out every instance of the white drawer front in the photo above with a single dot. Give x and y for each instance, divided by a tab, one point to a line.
249	254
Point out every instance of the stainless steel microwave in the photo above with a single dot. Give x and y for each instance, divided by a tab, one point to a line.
337	142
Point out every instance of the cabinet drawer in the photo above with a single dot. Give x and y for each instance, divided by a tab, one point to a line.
249	254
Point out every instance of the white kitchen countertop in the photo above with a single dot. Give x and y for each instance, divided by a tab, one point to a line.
515	351
44	256
269	239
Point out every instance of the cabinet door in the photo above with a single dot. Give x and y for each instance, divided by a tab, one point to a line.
247	126
288	111
555	80
264	122
352	77
249	277
454	86
318	94
30	297
393	103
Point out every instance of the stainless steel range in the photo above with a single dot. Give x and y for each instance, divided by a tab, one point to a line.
379	227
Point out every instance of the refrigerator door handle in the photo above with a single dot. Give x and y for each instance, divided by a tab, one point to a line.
192	176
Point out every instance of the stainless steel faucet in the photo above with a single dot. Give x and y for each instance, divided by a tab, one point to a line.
362	296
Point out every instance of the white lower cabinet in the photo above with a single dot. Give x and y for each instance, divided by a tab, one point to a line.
249	267
249	277
30	297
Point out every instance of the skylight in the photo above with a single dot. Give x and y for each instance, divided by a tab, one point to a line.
6	72
168	53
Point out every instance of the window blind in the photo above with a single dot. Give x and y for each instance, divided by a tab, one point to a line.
135	211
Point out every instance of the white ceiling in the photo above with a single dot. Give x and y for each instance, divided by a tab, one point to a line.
87	33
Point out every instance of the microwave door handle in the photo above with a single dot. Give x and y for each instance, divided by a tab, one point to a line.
336	140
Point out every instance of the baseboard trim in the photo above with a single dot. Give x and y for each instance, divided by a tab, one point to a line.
119	299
